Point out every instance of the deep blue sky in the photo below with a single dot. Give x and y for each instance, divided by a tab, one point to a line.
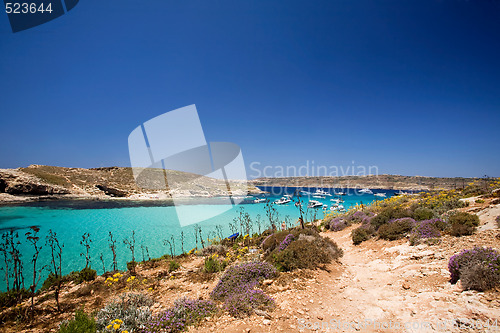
412	87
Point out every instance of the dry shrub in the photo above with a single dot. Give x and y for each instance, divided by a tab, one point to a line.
463	224
362	233
388	214
396	229
300	248
213	249
478	268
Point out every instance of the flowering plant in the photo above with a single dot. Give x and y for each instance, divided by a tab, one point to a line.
477	269
185	312
236	288
288	239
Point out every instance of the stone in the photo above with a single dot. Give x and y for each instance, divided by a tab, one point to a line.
262	313
422	254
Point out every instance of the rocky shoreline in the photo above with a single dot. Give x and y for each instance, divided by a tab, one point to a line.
45	183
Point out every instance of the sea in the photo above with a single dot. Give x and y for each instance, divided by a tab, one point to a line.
152	221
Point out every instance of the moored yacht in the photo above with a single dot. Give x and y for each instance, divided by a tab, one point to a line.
284	199
338	208
314	204
321	192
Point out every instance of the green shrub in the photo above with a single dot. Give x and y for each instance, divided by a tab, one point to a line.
173	266
131	266
463	224
423	213
82	323
52	281
498	221
49	282
86	274
362	233
133	309
213	265
396	229
479	201
9	298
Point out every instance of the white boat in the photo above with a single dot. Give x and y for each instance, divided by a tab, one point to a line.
382	195
366	191
339	193
314	204
283	200
319	196
335	200
338	208
259	200
321	192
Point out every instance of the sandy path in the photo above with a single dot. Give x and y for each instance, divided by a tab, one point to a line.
377	283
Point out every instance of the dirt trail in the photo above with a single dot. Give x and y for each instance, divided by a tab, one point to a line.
377	283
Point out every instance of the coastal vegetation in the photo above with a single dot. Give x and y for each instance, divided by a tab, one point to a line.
420	217
425	218
241	264
241	267
299	249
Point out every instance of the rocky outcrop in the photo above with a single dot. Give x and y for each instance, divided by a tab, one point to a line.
113	192
39	181
3	186
18	183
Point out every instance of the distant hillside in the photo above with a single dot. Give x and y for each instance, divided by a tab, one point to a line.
395	182
40	180
46	182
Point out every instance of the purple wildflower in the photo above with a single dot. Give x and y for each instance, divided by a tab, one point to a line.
288	239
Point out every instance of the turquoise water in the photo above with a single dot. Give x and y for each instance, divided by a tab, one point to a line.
151	221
